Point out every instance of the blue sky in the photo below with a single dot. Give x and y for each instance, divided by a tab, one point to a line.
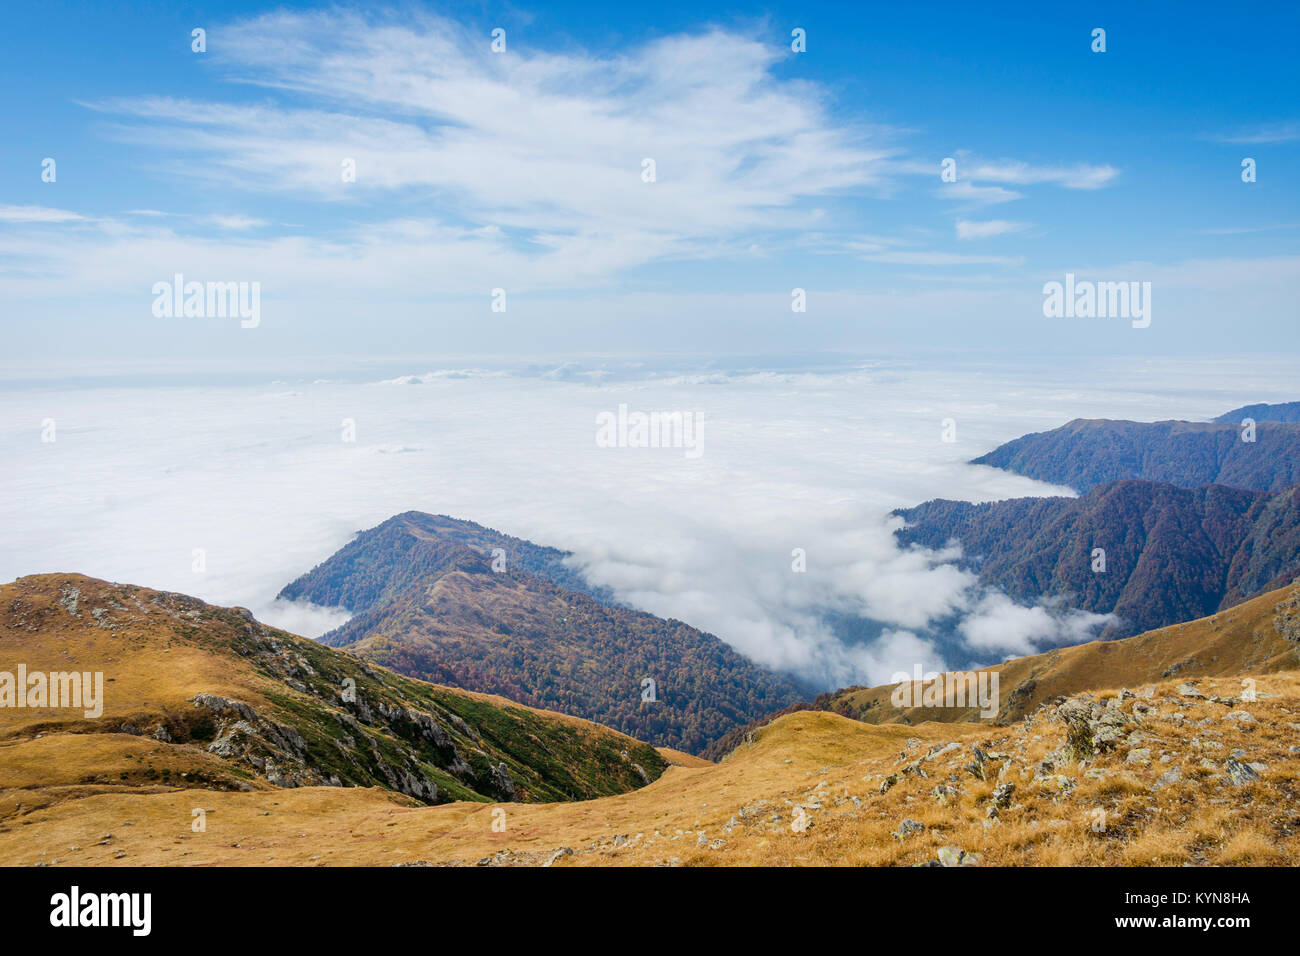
774	170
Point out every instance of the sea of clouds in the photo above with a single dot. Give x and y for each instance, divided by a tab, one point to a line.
260	478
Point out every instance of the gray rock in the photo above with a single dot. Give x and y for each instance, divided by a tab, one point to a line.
1171	776
502	783
1240	774
944	794
1060	787
908	827
956	856
218	704
68	598
1002	795
938	751
1090	728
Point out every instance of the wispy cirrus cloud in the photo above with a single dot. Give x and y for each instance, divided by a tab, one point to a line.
1247	230
551	144
549	148
524	170
916	257
37	214
1078	176
236	222
966	191
473	170
1282	131
969	229
984	182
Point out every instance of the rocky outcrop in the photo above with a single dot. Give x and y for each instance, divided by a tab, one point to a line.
274	750
1287	619
1091	728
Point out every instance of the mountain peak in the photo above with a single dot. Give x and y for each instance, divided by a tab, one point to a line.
454	602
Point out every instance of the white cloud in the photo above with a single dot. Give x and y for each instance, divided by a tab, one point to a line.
996	624
892	652
37	214
474	171
968	229
1247	230
138	478
966	191
974	177
302	617
922	258
1283	131
552	144
1016	173
236	222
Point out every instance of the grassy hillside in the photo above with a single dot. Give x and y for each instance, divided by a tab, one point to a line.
1172	554
1178	779
1261	636
204	697
428	604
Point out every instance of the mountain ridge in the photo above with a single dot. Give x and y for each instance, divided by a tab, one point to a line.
1172	554
427	602
200	695
1257	637
1085	453
1263	412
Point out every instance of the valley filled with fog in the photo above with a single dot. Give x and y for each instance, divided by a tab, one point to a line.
265	483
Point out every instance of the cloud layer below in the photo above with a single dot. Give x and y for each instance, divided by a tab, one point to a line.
259	478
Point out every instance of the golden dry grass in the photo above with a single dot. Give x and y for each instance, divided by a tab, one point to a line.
64	788
1237	642
739	812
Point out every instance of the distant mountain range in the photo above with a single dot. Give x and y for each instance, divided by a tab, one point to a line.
1171	554
427	603
1086	453
1263	412
1191	518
